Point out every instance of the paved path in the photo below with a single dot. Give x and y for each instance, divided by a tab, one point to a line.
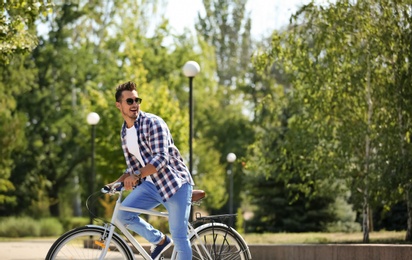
35	249
27	249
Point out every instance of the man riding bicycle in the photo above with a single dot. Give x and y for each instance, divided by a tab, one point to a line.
155	165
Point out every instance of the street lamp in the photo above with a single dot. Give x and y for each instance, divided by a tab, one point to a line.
231	157
92	119
191	69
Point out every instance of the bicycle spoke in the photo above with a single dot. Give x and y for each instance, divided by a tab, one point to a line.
86	243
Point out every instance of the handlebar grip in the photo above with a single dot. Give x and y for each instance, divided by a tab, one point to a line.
105	189
118	186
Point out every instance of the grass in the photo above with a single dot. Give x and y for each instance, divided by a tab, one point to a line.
382	237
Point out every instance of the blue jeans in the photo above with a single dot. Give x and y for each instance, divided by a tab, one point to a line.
145	196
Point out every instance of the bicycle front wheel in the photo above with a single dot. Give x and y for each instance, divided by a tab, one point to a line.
218	241
87	243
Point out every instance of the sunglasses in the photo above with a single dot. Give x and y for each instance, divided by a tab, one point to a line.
130	101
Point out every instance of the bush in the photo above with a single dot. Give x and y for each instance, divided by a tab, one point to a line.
50	227
19	227
346	217
347	227
74	222
29	227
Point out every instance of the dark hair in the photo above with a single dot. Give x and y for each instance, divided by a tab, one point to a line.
130	86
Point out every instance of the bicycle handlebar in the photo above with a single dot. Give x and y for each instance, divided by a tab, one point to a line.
116	187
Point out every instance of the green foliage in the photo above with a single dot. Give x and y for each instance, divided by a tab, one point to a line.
222	119
343	116
346	217
208	173
226	26
290	210
29	227
50	227
74	71
240	222
160	223
16	22
69	223
328	113
16	78
19	227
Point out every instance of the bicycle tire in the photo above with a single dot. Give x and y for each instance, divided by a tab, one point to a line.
85	243
220	241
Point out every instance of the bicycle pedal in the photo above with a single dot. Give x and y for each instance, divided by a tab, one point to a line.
100	244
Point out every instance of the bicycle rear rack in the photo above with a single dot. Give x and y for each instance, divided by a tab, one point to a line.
228	219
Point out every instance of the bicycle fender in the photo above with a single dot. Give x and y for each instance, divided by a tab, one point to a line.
200	228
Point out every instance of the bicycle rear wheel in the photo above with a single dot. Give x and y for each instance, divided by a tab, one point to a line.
218	241
87	243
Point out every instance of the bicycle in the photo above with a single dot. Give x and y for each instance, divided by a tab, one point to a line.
211	240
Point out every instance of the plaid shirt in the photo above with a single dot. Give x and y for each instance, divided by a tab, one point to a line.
157	148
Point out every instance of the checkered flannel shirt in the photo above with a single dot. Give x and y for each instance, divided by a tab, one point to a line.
157	148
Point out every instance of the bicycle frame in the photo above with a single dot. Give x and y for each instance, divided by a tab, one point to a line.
116	223
211	240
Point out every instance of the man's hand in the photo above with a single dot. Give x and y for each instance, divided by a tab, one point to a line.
131	181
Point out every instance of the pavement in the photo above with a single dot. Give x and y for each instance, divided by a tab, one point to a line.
28	249
35	249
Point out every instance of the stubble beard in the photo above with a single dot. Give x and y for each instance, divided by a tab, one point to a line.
133	116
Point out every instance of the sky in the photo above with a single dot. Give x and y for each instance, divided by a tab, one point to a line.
266	15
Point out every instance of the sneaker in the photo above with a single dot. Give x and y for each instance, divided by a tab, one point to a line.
158	250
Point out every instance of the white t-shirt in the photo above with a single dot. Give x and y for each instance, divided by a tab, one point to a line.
133	147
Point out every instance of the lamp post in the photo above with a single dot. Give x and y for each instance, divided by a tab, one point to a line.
92	119
231	157
191	69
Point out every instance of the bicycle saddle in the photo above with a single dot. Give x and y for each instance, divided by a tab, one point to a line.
198	195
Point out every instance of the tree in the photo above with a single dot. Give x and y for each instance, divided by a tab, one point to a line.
226	27
287	213
334	59
16	78
17	37
79	64
55	149
17	20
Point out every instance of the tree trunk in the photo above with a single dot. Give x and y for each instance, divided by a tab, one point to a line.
365	224
370	212
409	221
54	202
